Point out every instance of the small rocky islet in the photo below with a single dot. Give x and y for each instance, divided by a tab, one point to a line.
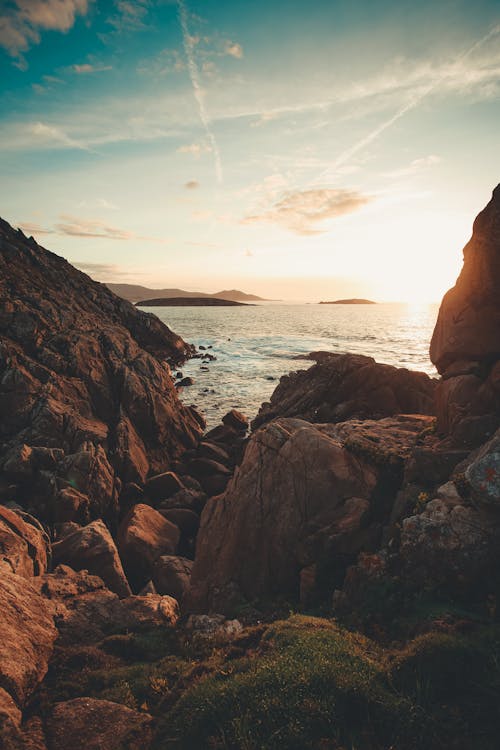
326	577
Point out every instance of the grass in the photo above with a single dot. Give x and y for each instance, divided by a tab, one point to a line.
300	682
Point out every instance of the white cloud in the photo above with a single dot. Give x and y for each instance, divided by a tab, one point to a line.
50	134
302	210
21	23
195	149
88	68
233	49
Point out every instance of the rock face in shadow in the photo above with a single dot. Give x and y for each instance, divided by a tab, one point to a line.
86	396
465	345
343	386
305	501
469	317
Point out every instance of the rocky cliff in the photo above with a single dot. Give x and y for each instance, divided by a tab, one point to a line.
465	345
86	396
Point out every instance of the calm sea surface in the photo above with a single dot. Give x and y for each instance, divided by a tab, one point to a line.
255	346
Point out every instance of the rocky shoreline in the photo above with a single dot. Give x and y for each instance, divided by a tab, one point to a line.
149	568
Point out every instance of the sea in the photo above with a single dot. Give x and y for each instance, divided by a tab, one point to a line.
255	345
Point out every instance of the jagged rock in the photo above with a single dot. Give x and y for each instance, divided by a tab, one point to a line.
85	610
10	722
236	420
304	494
143	536
92	548
171	575
72	506
84	372
27	634
163	485
214	452
465	345
483	474
343	386
186	520
190	499
469	317
450	543
91	724
22	546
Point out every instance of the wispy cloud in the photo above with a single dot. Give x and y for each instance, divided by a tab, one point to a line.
448	74
22	22
86	68
130	15
189	45
105	272
30	227
301	211
51	133
75	226
233	49
415	166
192	185
195	149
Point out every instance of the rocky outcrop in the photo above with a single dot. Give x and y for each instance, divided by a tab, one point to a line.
85	610
465	345
343	386
86	396
305	495
27	634
23	546
143	536
92	548
90	724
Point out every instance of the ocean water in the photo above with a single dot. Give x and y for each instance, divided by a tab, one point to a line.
256	345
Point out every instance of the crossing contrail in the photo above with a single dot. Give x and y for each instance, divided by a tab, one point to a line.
414	102
194	74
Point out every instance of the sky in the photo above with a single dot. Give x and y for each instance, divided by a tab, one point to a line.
296	150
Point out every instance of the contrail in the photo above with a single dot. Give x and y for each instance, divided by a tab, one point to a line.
194	74
417	98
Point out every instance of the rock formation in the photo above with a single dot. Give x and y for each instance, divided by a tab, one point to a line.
342	386
86	396
465	345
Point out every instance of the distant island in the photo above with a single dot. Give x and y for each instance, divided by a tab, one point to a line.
353	301
190	302
134	292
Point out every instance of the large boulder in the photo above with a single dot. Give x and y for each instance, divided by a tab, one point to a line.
342	386
144	535
92	548
23	546
84	610
91	724
27	635
83	374
469	318
304	495
465	345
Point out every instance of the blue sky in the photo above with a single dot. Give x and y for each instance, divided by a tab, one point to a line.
296	150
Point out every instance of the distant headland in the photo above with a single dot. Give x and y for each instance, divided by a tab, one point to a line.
190	302
353	301
134	293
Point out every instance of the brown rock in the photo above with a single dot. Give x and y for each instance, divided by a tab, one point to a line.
10	722
253	541
22	546
186	520
171	575
236	420
203	467
82	370
346	386
90	724
92	548
214	452
163	485
143	536
72	506
469	317
27	634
